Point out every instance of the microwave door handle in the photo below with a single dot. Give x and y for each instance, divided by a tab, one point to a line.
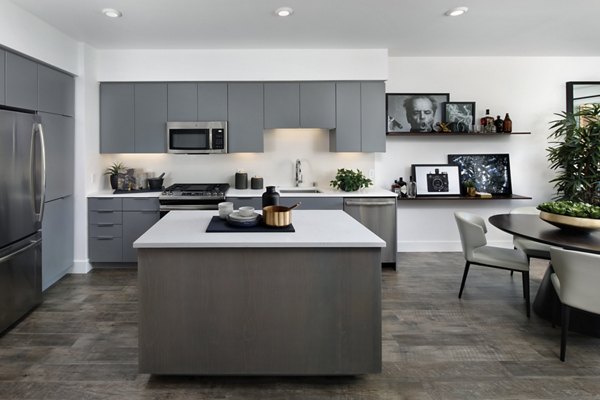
210	135
38	160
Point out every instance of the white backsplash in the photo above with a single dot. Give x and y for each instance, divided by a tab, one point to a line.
275	165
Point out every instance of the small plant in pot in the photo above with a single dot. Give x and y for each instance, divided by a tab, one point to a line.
350	181
113	172
471	189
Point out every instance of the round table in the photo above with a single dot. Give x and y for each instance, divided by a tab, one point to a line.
533	228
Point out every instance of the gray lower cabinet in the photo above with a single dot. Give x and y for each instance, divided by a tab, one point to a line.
57	243
307	203
56	91
212	101
150	116
114	223
59	133
21	85
245	116
2	79
117	118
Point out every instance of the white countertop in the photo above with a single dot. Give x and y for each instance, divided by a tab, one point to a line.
325	192
109	193
314	228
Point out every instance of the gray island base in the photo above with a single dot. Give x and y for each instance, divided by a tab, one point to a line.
222	304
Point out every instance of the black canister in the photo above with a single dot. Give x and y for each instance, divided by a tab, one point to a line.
256	182
270	197
241	180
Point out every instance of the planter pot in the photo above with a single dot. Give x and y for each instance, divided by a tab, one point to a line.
471	191
114	181
571	223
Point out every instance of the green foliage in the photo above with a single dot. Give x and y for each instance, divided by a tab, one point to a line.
115	169
571	208
575	154
349	181
469	183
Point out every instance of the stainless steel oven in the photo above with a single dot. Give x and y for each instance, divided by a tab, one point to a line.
192	196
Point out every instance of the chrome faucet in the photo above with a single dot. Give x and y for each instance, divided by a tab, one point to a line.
298	172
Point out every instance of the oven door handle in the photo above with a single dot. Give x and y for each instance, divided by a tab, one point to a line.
174	207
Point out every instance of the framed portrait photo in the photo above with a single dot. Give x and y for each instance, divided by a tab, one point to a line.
489	172
436	179
459	116
414	112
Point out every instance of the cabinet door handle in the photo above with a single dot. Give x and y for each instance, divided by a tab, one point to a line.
106	211
105	237
370	203
105	224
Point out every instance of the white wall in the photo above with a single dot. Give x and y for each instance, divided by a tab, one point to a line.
530	89
27	34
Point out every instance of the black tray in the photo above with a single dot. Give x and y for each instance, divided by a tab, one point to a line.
219	225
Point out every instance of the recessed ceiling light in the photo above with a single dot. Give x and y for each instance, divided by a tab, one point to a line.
284	11
112	13
455	12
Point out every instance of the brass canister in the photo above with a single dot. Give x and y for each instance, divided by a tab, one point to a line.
278	216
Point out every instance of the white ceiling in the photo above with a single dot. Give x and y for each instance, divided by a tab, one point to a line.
405	27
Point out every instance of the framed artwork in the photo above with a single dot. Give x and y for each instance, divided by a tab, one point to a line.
414	112
436	179
459	116
490	172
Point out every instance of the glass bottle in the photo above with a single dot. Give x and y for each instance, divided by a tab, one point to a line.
270	197
499	124
411	191
487	122
402	187
507	127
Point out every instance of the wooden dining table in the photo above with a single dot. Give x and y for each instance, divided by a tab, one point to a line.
532	227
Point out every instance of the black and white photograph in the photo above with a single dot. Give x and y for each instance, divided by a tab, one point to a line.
459	116
414	112
489	172
436	179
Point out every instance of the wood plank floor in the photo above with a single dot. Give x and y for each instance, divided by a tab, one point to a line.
82	344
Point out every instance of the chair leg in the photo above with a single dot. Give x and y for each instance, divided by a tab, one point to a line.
511	272
564	322
464	279
526	292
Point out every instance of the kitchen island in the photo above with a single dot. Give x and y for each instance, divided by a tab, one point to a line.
260	303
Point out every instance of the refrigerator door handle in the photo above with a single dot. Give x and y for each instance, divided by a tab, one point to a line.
21	250
38	131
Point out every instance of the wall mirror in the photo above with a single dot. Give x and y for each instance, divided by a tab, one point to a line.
581	93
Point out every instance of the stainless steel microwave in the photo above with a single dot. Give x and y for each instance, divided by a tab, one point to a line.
198	137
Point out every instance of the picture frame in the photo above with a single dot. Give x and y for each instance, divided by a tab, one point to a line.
436	179
459	116
399	120
489	172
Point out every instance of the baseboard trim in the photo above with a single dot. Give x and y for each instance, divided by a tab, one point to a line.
433	247
80	267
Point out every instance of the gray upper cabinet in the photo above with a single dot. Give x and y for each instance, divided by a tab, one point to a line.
346	136
373	129
117	118
245	117
59	132
182	103
282	105
21	85
317	105
56	91
2	61
150	119
212	101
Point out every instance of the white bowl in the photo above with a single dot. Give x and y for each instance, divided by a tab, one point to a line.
246	211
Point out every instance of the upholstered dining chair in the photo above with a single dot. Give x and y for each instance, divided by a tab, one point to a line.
472	230
530	248
575	278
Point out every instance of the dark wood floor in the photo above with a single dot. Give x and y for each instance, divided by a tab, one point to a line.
82	344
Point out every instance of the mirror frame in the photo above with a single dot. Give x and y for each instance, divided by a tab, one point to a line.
570	92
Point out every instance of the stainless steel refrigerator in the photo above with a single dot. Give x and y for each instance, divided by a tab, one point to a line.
22	188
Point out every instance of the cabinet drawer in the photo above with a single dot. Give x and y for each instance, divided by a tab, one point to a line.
140	204
105	249
105	204
105	217
105	230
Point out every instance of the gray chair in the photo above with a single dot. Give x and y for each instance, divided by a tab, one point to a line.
575	278
472	231
530	248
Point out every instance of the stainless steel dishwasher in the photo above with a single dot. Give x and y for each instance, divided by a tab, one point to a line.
379	215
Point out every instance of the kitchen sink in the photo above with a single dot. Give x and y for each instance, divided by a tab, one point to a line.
299	191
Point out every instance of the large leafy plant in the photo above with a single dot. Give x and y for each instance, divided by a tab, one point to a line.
575	154
349	181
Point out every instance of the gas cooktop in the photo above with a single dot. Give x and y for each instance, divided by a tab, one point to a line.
194	191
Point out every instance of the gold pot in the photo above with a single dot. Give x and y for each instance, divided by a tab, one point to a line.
278	216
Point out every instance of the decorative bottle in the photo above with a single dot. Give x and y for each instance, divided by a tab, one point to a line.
507	127
402	188
411	191
487	122
499	124
270	197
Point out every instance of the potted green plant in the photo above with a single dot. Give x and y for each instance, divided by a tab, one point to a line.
575	154
113	171
470	186
350	181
